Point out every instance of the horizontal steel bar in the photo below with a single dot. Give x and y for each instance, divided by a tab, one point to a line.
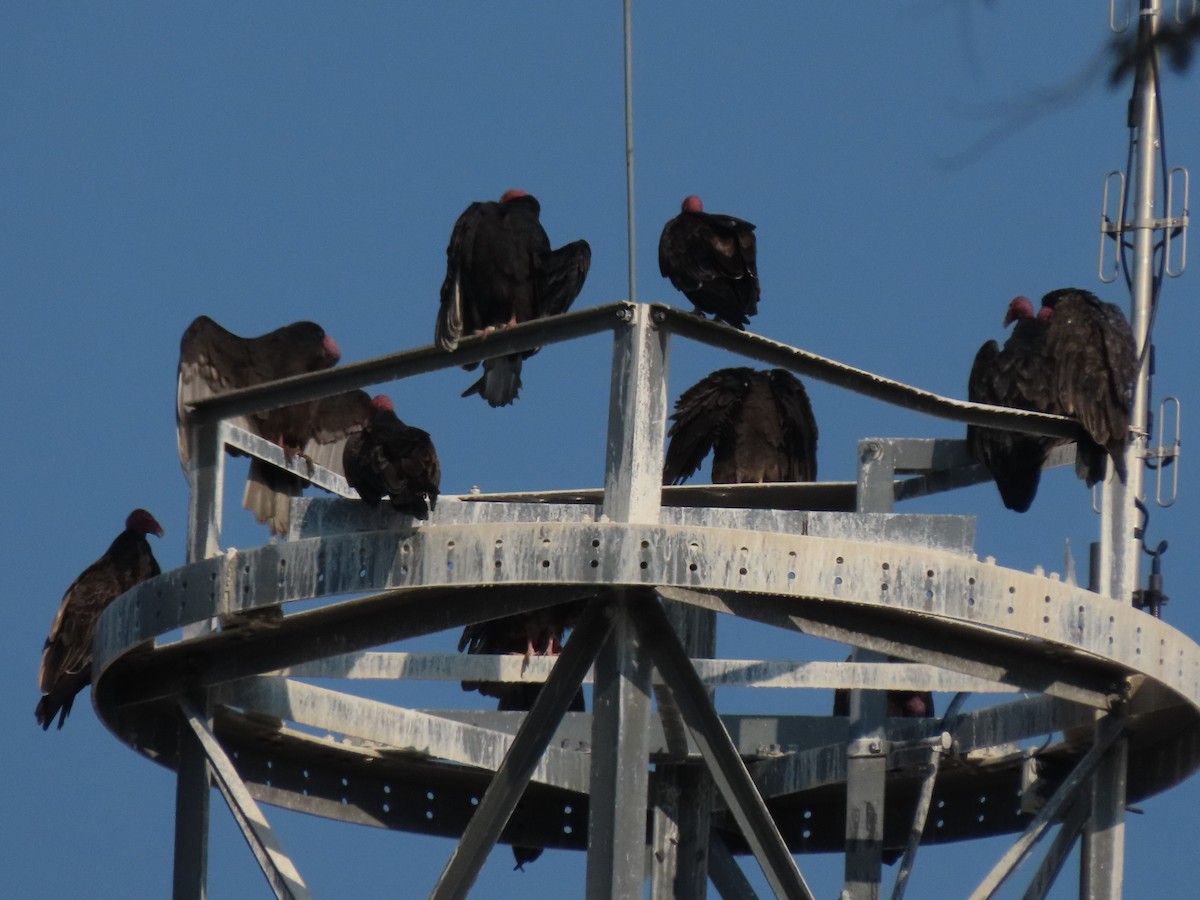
393	366
396	728
859	380
748	673
328	631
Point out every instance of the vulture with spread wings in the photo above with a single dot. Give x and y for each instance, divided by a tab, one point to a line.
213	361
66	667
713	260
500	271
759	425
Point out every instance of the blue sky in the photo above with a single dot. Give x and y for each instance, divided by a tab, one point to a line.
268	162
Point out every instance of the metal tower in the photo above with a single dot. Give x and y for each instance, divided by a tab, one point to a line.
1117	690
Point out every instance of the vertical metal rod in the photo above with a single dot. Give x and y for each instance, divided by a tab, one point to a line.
682	795
1102	863
190	875
628	26
192	790
616	862
1124	514
866	753
866	774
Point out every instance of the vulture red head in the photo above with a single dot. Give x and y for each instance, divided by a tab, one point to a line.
1018	308
332	352
382	403
142	522
512	194
691	204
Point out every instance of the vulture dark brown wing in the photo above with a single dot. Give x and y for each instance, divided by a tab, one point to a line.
211	361
454	317
798	424
562	275
702	415
1021	376
1095	360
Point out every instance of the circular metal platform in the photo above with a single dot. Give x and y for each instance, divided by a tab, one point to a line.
339	754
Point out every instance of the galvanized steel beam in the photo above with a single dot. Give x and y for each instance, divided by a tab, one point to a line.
620	765
394	366
1102	863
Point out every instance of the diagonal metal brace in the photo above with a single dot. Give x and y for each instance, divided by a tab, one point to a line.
1106	735
276	865
510	780
727	768
920	815
1063	843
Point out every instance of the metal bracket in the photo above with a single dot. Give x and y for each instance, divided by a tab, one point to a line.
1113	25
1166	454
1176	226
1112	226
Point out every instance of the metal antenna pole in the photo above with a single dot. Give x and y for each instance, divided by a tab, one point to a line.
629	148
1120	499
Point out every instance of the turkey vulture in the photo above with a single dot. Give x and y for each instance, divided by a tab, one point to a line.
532	634
390	458
67	656
500	271
213	360
759	424
1095	362
1022	376
712	259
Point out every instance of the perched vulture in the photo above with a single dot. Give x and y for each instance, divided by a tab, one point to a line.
759	425
1095	362
67	656
712	259
1022	376
532	634
390	458
213	361
500	271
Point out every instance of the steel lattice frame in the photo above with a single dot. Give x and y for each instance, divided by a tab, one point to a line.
653	567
